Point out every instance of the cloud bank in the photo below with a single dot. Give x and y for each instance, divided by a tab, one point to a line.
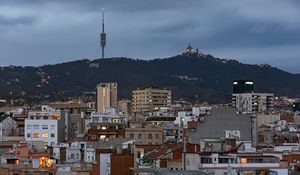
35	32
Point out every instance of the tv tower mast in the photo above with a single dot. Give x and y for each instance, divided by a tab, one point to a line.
103	36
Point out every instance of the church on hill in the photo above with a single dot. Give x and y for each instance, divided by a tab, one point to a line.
190	52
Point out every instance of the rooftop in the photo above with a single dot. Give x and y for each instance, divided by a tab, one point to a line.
165	171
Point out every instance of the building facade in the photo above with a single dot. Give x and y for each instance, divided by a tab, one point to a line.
144	136
150	100
8	127
243	86
124	106
47	126
106	94
248	103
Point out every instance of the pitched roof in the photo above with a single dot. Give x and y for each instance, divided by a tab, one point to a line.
157	153
3	117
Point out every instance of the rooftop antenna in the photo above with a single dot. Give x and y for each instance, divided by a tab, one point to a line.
103	35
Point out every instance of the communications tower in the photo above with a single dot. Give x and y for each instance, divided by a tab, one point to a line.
103	36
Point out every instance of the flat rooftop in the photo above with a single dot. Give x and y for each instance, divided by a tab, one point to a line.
222	119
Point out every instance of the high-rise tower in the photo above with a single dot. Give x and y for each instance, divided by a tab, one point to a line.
103	36
106	96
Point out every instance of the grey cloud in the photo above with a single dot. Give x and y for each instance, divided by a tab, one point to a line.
60	30
6	21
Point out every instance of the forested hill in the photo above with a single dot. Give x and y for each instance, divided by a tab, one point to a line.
196	77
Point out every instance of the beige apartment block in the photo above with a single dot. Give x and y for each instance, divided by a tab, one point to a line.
150	99
106	96
146	136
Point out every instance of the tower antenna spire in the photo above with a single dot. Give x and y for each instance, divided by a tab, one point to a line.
102	20
103	36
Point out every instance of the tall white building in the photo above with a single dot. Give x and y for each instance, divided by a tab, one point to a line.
248	103
106	94
47	126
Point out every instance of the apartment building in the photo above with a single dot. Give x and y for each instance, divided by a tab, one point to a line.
150	99
243	86
108	125
249	103
47	126
144	136
106	94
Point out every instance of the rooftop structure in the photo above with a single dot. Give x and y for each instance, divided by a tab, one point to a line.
243	86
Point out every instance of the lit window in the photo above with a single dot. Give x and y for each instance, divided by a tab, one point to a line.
243	160
55	118
103	127
36	135
44	135
102	136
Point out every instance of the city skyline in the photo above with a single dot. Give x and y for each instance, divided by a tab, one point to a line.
49	32
143	87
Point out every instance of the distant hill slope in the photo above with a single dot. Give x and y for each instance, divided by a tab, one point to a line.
197	77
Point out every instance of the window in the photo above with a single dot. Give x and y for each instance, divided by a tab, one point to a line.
131	136
94	137
243	160
149	136
45	127
52	127
115	120
140	136
28	127
28	135
52	135
45	135
36	135
156	136
36	126
102	136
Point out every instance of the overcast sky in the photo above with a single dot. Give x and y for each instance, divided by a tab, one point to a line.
36	32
